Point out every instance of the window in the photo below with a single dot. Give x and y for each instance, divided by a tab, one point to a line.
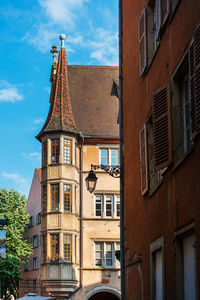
181	114
55	151
107	206
77	156
67	247
34	284
44	198
105	254
35	263
35	241
67	151
44	153
156	267
38	218
150	24
67	197
54	240
26	266
117	203
31	224
186	265
109	157
54	197
98	206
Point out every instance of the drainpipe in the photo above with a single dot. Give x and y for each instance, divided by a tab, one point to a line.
121	157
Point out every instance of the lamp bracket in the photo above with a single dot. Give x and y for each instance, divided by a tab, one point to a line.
112	171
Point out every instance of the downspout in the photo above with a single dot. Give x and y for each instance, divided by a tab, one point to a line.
121	157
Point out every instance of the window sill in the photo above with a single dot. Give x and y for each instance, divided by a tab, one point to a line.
182	159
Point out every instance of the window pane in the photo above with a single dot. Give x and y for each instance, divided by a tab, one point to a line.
55	151
98	206
108	255
114	157
109	204
67	197
67	247
67	151
98	254
117	206
104	156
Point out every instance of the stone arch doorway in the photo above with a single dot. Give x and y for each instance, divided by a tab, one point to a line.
104	296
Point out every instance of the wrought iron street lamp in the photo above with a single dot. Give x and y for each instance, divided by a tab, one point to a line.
91	179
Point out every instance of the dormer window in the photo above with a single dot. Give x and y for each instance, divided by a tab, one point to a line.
55	151
67	151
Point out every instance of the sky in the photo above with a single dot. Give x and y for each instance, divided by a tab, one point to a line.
29	28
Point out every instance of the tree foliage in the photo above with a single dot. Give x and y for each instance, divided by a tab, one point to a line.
13	208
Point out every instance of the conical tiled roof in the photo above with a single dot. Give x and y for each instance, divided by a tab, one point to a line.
60	116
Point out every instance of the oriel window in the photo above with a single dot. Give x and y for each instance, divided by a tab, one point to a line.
67	247
67	197
54	197
54	247
55	151
44	153
67	151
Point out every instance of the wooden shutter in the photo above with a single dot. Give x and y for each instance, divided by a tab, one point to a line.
142	41
192	89
164	10
197	76
143	160
161	127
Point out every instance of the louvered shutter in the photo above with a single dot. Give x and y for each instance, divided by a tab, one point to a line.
192	89
164	11
143	160
161	127
197	77
142	41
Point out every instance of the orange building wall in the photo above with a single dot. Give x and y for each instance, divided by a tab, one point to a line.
176	202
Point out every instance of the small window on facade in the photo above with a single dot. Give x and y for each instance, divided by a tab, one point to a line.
109	255
54	197
114	157
31	224
104	156
35	241
105	254
67	151
181	112
98	254
34	284
55	151
117	201
109	205
54	247
44	198
38	218
35	263
156	250
44	153
98	206
67	247
186	267
67	197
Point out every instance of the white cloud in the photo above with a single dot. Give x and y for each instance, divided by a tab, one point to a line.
62	12
33	156
15	177
9	92
39	121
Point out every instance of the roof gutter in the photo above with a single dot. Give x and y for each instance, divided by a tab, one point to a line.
121	156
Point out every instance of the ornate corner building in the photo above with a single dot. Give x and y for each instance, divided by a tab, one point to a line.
80	231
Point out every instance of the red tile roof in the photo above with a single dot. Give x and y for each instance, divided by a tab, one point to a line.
83	99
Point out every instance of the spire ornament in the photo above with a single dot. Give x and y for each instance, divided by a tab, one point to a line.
62	38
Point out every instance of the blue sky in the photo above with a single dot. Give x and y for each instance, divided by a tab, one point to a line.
29	28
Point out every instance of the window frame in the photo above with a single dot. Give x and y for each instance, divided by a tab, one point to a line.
154	247
108	149
103	251
35	263
114	202
54	243
105	205
95	203
66	160
70	197
117	202
55	149
35	241
57	200
70	247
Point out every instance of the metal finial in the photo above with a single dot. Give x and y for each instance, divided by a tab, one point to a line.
62	38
